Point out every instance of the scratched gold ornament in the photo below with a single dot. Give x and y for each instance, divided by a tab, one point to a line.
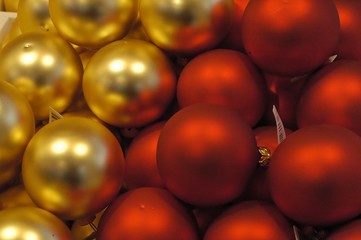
45	68
93	23
186	26
34	15
17	125
25	223
73	167
129	83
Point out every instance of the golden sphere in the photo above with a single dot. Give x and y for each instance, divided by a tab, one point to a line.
73	167
34	15
129	83
15	196
11	5
186	27
13	32
25	223
93	23
17	125
45	68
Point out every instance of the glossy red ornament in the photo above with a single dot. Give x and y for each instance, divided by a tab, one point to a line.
224	77
290	37
333	95
314	175
206	154
147	213
350	19
250	220
140	159
348	231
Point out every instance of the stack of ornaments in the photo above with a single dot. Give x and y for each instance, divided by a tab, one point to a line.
180	119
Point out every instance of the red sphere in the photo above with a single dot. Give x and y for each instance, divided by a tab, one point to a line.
140	159
147	213
250	220
206	154
349	231
314	175
290	37
333	96
224	77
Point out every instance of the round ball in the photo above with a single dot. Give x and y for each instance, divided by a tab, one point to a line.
93	23
205	148
290	37
224	77
147	213
314	175
45	68
73	167
23	223
129	83
186	27
17	125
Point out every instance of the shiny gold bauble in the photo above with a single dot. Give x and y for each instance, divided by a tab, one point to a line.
73	167
45	68
15	196
31	223
13	32
93	23
34	15
186	26
11	5
17	125
129	83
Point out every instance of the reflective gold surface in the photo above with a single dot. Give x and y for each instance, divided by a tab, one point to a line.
129	83
14	31
186	26
15	196
8	176
93	23
11	5
45	68
73	167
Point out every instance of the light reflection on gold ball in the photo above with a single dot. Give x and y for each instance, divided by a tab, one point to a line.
17	125
186	26
45	68
129	83
34	15
15	196
93	23
73	167
31	223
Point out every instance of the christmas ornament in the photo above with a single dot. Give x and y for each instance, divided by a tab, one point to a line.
93	23
332	95
140	159
17	125
147	213
15	196
45	68
13	32
348	231
224	77
291	37
11	5
23	223
73	167
129	83
314	175
186	27
250	220
205	148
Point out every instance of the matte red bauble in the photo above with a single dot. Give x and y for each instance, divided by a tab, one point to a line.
314	175
206	154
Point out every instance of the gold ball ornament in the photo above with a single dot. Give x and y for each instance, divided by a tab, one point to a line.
15	196
73	167
129	83
186	27
13	32
11	5
31	223
34	15
17	125
93	23
45	68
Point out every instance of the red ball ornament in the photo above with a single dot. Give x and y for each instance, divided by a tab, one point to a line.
147	213
290	37
349	231
314	175
224	77
206	154
251	220
333	96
